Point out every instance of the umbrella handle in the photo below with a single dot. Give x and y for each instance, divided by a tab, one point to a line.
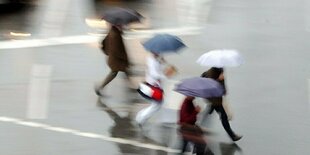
162	59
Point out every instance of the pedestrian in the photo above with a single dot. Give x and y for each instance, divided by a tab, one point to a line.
190	132
113	46
155	74
217	102
123	127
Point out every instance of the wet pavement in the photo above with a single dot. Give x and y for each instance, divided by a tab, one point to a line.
269	94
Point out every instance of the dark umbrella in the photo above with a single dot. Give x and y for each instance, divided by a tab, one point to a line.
163	43
121	16
200	87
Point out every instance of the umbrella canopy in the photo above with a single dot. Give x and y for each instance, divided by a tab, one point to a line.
200	87
121	16
220	58
163	43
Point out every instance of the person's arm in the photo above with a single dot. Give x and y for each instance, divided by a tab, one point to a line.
204	75
154	69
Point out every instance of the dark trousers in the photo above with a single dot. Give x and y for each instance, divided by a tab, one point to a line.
199	149
220	110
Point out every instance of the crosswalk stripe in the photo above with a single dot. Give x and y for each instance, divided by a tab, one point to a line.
86	134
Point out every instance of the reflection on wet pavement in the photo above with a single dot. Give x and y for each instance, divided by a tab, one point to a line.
229	148
124	128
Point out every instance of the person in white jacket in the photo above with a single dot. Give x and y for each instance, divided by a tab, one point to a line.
156	72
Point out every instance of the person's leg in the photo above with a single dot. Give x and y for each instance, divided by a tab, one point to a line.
200	148
131	83
106	81
205	115
184	145
224	120
211	109
145	114
225	123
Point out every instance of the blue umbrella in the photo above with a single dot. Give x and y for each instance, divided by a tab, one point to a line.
200	87
163	43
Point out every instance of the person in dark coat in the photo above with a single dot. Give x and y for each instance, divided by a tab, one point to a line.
190	132
113	46
217	102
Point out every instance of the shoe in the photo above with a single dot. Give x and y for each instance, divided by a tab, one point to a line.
236	138
97	90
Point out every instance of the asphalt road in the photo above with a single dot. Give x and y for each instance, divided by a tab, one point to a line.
269	93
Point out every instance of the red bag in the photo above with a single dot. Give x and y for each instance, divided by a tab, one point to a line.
150	92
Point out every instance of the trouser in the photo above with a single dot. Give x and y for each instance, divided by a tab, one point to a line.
224	119
193	134
110	77
199	149
146	113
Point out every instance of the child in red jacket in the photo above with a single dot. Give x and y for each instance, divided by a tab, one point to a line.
189	130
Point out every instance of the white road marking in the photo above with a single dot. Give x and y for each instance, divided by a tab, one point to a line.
59	129
86	134
39	88
79	39
31	124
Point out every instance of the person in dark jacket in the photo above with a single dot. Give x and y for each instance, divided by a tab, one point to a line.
217	102
189	130
113	46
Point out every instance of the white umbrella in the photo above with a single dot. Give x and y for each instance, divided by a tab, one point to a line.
220	58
